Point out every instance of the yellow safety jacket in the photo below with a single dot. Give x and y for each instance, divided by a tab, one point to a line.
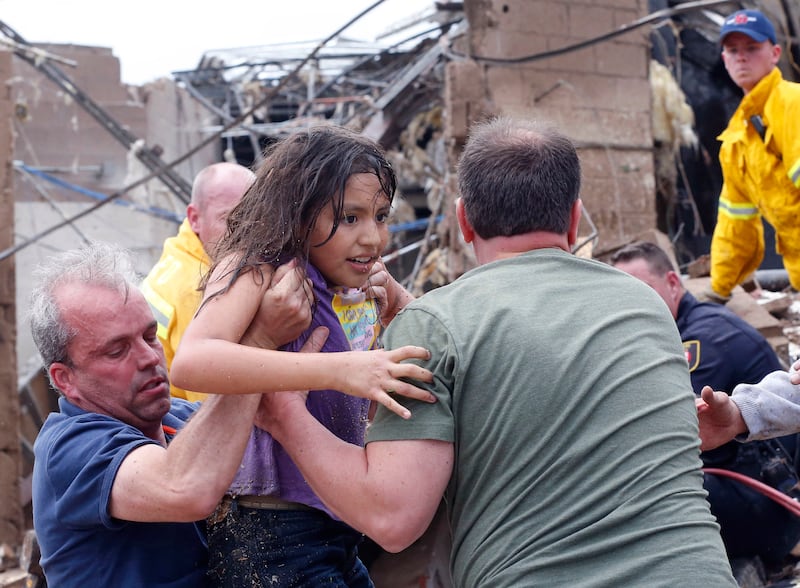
761	177
171	290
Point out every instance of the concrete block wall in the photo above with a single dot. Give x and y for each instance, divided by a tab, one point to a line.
599	95
55	133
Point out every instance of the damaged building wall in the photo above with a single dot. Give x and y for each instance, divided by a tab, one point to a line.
599	95
54	132
10	461
178	124
55	135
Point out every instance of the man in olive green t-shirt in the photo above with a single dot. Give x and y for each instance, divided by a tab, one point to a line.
564	437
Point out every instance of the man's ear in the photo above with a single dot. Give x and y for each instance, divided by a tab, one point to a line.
61	376
192	216
574	222
776	54
463	223
675	285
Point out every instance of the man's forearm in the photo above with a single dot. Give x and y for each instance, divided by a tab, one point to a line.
209	449
389	491
335	470
185	481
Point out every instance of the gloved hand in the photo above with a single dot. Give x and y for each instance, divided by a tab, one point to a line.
709	295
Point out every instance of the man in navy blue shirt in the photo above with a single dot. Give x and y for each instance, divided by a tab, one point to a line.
115	499
723	350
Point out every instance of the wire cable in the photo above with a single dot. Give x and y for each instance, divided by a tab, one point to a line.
785	501
659	14
151	210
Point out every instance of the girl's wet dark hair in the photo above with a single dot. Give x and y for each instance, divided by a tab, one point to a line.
300	176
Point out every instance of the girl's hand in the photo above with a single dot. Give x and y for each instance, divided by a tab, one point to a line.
379	374
366	374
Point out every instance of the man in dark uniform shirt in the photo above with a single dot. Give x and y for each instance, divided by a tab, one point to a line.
722	351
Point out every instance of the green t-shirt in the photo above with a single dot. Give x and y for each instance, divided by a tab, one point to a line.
563	385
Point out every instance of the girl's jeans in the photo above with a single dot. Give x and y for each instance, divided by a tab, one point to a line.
251	547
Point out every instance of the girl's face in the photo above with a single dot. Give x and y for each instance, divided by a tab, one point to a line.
360	238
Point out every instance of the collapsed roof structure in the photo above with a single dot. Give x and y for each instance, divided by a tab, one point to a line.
261	93
389	89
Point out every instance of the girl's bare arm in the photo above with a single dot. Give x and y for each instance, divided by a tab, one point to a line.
211	359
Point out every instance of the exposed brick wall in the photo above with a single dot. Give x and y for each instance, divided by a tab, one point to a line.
598	95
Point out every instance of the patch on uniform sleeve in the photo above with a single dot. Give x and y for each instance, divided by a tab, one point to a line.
692	351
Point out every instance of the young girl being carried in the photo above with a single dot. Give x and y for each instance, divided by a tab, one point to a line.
321	200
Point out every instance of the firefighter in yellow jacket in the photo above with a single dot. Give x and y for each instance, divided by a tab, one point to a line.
760	158
171	286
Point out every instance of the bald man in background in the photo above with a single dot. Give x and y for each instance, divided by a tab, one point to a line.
171	286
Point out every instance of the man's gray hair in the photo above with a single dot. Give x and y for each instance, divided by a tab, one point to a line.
98	263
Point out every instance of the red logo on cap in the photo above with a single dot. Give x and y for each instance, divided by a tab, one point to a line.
740	19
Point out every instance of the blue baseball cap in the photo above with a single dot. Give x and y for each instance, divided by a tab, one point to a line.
751	23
